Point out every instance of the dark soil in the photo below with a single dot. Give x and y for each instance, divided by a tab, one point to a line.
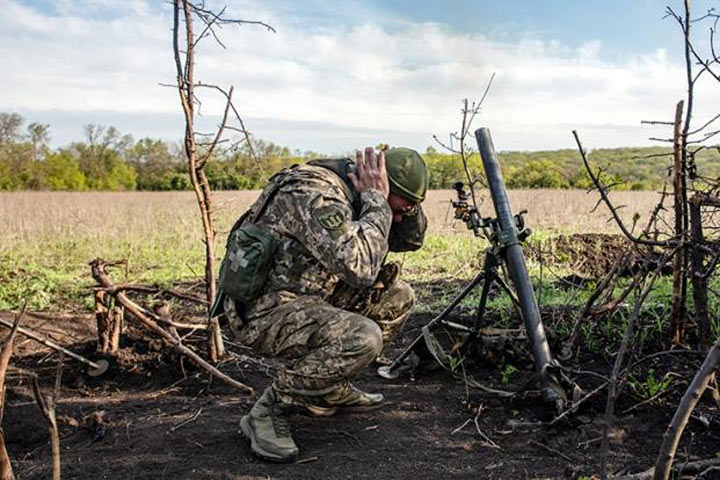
155	416
591	254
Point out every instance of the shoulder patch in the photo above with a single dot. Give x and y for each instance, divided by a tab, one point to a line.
332	218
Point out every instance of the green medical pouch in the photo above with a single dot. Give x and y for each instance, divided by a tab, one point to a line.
250	251
248	260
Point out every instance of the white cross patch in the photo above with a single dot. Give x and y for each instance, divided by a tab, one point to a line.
237	259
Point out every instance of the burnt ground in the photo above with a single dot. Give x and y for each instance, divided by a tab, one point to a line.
154	416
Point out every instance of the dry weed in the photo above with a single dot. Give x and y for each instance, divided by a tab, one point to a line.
98	216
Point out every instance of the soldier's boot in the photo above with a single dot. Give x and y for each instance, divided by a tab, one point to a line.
268	428
346	399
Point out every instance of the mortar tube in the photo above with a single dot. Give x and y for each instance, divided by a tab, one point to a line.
515	260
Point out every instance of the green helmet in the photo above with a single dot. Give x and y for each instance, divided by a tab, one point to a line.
407	173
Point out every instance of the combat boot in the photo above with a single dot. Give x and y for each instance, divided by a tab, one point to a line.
346	398
268	428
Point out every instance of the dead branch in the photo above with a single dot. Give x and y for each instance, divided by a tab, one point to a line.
552	450
99	274
575	405
677	315
158	318
198	179
197	161
6	471
47	405
697	466
5	355
698	278
612	304
149	289
109	319
50	344
575	334
614	378
603	189
671	439
469	112
659	354
189	420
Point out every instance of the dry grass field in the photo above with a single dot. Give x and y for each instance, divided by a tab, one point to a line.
48	238
147	216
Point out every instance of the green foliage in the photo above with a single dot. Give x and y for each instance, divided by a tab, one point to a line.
649	386
18	286
109	160
61	171
631	168
714	327
120	177
537	174
455	362
508	371
156	167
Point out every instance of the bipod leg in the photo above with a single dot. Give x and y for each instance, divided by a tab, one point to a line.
510	293
391	371
490	270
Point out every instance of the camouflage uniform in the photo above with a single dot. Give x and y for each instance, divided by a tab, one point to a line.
318	310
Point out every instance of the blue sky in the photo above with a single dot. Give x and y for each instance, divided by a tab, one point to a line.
340	75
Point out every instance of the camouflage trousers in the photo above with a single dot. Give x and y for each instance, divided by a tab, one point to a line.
323	344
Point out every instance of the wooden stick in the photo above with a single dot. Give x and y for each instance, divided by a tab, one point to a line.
552	450
98	272
615	377
677	315
5	355
40	339
672	435
685	468
47	408
6	471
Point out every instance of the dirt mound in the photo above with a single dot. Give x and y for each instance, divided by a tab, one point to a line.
592	254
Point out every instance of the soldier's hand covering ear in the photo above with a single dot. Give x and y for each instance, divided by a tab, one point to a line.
371	173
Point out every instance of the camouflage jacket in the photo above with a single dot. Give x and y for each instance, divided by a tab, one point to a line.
327	233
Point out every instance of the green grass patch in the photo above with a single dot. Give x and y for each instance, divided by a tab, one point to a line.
51	273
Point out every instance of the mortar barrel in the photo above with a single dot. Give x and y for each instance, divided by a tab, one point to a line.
515	259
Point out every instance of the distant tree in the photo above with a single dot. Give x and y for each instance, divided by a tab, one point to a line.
10	124
39	136
101	158
121	176
61	171
21	169
154	164
6	181
538	174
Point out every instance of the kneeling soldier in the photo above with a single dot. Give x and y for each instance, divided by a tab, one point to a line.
329	304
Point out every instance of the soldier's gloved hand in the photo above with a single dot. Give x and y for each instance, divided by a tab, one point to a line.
371	173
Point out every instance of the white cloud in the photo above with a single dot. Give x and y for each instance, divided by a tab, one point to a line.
407	81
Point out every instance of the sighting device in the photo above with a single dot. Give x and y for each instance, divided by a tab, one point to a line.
505	232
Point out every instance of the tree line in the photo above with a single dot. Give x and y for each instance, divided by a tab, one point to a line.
106	159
